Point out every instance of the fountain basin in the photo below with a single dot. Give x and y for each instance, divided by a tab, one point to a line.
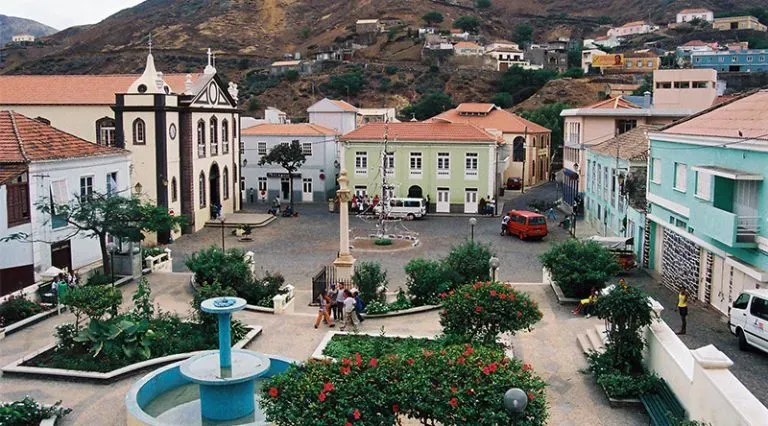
167	397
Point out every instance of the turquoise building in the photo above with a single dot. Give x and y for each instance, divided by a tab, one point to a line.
707	201
615	192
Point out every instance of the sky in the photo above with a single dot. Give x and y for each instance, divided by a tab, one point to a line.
62	14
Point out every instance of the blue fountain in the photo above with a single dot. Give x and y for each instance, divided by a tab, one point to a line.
226	378
212	388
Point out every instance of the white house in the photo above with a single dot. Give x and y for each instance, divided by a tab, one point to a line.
272	115
468	48
688	15
632	28
38	163
505	54
21	38
335	115
314	181
586	58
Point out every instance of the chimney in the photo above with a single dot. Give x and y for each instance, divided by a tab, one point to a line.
647	99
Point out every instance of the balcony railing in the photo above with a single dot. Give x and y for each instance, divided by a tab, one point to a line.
747	229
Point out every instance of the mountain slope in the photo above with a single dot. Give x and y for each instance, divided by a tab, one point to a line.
11	26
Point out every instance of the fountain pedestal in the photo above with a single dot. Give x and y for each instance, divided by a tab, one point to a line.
226	378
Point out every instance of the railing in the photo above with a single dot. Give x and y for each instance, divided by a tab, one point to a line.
747	228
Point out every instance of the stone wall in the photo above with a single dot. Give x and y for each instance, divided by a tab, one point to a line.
680	263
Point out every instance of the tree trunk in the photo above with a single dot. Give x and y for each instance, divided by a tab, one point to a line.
104	255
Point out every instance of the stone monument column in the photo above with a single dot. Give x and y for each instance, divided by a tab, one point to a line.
344	263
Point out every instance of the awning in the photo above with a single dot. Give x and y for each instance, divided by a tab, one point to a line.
732	174
612	242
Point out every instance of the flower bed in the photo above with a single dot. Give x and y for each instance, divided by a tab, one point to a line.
17	309
30	412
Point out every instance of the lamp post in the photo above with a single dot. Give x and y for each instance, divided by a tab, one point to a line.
515	400
221	220
112	249
494	262
472	223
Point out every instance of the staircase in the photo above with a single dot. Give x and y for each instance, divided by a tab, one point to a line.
593	340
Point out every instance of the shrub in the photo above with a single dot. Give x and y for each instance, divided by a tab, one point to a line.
443	386
433	17
577	266
370	280
470	261
29	412
621	386
151	251
92	301
379	307
390	69
382	242
18	308
213	264
572	73
99	278
484	310
427	279
260	292
291	75
350	83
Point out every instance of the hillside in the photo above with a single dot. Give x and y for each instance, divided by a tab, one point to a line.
11	26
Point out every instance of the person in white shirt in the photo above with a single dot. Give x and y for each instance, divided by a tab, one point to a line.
350	318
504	222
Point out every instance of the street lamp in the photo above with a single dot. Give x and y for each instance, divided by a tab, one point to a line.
112	249
515	400
472	223
495	263
221	220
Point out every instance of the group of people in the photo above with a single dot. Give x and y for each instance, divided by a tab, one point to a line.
341	304
71	279
486	206
361	203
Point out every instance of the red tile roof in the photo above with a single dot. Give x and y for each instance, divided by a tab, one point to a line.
466	45
420	131
345	106
9	172
74	89
747	114
614	103
694	11
23	140
294	129
497	119
474	108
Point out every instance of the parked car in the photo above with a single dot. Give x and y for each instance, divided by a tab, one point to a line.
408	208
514	183
525	224
748	319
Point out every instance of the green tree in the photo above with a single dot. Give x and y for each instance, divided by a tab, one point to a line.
549	117
646	86
371	280
467	23
579	265
98	215
483	4
523	34
346	84
214	265
522	83
427	279
503	99
432	17
470	261
428	106
574	72
289	156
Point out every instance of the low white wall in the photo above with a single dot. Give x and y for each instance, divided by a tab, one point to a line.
700	379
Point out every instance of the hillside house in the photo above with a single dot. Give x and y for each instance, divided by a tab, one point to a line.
298	65
503	55
607	41
688	15
458	35
632	28
436	46
23	38
549	56
586	58
738	23
527	153
468	48
42	164
749	60
683	53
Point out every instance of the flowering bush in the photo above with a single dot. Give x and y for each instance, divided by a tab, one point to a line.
483	310
458	384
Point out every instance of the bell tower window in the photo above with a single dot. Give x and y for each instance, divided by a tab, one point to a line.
139	132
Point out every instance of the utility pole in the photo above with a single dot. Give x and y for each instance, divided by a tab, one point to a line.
384	186
525	158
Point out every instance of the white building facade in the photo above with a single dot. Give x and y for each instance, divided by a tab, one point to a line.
333	114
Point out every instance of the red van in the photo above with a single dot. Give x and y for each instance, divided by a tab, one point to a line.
524	224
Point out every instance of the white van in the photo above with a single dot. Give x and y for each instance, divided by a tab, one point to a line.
408	208
749	319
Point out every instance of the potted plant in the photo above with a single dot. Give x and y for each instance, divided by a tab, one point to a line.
247	229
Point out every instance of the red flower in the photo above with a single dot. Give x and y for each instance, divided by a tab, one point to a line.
531	396
356	414
321	396
519	314
358	359
478	309
450	293
493	293
512	296
346	361
493	366
505	360
273	392
373	362
395	408
460	360
468	349
328	387
466	295
454	402
347	424
344	370
454	389
527	367
427	353
410	361
443	295
503	296
486	370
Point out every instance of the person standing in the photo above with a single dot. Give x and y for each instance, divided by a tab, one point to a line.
349	311
359	305
682	309
551	215
333	294
504	222
340	302
322	313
